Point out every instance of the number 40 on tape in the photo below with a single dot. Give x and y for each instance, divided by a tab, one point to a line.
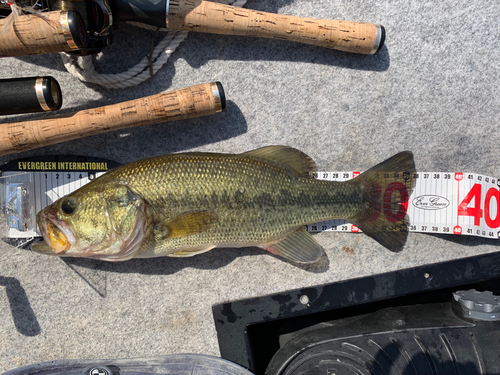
480	203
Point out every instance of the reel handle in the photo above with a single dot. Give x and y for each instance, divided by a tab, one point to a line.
189	102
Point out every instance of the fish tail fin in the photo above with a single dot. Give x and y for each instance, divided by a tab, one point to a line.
386	191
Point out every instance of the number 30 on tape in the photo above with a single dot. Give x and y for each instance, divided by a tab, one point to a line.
442	202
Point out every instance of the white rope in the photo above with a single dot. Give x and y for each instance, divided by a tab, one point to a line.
83	68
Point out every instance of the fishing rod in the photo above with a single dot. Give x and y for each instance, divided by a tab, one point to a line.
29	94
216	18
209	17
190	102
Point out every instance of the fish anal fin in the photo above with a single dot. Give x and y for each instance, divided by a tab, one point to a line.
285	156
190	252
187	224
298	247
386	191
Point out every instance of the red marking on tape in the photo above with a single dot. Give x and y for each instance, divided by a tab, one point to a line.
387	201
492	223
459	176
476	211
457	230
354	229
355	174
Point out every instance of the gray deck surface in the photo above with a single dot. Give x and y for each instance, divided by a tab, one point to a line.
433	89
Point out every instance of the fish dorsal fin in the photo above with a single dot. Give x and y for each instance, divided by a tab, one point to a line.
285	156
299	247
187	224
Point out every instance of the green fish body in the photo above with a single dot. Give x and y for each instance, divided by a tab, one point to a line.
188	203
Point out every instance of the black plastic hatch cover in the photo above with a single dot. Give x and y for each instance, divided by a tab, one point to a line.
250	332
420	339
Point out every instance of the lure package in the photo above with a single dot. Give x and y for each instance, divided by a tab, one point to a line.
29	185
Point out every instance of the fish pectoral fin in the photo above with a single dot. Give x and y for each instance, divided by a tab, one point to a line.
41	247
187	224
287	157
190	252
299	247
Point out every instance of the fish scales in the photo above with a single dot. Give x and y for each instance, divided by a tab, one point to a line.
255	201
185	204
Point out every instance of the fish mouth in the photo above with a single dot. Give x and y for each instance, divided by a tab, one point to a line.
56	234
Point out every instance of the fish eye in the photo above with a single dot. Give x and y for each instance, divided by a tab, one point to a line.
68	206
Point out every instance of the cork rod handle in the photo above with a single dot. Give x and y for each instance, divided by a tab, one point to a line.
211	17
190	102
47	32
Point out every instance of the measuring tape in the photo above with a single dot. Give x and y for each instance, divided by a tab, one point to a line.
442	202
449	203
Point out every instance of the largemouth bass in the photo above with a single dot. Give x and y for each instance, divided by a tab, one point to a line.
189	203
